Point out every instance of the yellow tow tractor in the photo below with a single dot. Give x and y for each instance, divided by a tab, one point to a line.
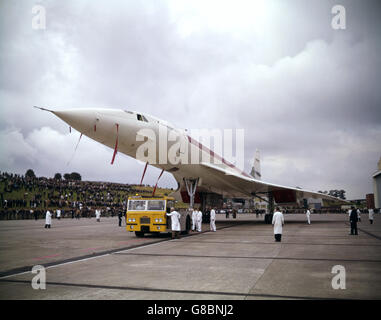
148	215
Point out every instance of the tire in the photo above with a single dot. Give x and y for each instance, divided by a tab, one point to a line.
139	234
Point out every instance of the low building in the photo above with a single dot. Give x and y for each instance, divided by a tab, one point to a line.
377	186
377	189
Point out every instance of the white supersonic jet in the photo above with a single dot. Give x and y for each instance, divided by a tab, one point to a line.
133	133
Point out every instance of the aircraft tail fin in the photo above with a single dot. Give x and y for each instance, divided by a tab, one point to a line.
256	169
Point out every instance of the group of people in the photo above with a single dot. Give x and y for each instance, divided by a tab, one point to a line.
196	221
277	221
98	212
354	217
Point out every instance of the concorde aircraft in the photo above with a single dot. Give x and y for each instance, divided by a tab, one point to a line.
198	179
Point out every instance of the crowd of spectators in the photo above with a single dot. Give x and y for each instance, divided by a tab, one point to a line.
24	197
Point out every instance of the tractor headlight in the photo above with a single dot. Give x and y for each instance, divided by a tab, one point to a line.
133	220
129	220
160	220
156	220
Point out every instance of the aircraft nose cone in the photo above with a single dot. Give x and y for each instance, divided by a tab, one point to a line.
80	119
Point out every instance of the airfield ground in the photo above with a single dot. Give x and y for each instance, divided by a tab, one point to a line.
90	260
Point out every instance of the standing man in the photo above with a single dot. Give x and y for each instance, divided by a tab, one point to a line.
371	213
308	213
98	214
278	222
120	215
175	223
213	220
353	217
58	214
359	215
32	213
199	220
194	219
48	219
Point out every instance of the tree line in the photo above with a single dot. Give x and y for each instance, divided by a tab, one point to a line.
67	176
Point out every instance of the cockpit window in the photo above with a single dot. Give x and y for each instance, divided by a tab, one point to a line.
141	117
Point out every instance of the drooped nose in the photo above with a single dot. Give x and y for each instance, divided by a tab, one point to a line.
80	119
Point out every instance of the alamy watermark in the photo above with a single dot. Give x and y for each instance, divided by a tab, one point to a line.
216	146
339	280
39	280
338	21
39	17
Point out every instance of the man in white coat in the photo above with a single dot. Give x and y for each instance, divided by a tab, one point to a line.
58	214
308	213
194	219
48	219
213	220
278	222
98	214
359	215
175	223
199	220
371	213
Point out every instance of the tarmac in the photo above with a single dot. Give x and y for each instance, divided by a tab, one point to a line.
85	259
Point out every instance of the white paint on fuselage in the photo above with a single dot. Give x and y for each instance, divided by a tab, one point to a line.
100	125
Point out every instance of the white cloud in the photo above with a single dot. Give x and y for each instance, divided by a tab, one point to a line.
15	150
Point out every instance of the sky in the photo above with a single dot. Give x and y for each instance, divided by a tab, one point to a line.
307	95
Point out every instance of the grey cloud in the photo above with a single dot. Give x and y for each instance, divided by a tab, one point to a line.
306	95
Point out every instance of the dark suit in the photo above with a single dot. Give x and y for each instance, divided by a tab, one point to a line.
353	220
